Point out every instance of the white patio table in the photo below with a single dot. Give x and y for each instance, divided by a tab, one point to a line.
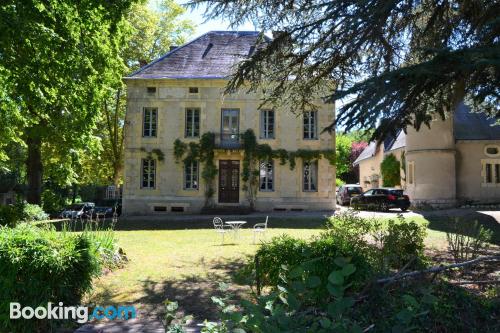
235	225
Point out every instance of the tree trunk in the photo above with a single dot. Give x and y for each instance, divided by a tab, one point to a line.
117	173
34	170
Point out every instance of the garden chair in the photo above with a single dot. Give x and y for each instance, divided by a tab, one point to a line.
219	227
260	228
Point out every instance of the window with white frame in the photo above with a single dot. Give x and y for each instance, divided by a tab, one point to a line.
267	124
310	125
148	173
266	176
310	176
491	172
149	121
411	172
191	175
192	123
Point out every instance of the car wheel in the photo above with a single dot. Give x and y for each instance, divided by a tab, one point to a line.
383	207
404	209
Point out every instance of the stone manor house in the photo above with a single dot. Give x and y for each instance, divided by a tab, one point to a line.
179	97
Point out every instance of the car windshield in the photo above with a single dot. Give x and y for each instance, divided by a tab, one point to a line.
354	189
396	192
75	207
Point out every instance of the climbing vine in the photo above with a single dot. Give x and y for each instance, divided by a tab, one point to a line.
204	151
390	170
160	156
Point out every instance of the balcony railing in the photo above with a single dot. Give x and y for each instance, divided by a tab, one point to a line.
228	141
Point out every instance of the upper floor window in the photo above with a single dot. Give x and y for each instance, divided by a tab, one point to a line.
192	123
310	176
151	90
267	124
148	173
491	172
149	121
266	176
191	175
193	90
310	125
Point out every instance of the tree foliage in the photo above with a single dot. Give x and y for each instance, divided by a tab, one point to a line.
399	61
59	59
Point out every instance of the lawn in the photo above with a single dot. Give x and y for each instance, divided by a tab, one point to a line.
185	261
184	265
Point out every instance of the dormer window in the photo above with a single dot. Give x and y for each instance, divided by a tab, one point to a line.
193	90
151	90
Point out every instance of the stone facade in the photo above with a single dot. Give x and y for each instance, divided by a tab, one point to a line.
171	98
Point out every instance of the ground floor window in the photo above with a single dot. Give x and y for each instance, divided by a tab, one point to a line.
148	173
491	172
266	176
310	176
191	175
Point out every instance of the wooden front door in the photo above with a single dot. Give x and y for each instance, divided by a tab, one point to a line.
229	181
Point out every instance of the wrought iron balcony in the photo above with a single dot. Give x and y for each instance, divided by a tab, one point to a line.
228	141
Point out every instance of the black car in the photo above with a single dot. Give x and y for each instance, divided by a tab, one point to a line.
382	199
346	192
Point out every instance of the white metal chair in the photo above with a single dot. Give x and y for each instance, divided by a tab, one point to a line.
260	228
219	227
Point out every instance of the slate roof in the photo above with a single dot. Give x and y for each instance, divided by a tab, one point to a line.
368	152
210	56
390	143
474	126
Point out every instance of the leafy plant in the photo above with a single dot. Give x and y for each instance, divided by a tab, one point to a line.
39	266
467	239
403	244
31	212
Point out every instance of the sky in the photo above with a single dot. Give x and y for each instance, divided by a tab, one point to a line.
197	17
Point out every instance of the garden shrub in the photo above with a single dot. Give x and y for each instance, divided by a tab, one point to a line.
467	239
403	244
31	212
317	256
9	215
38	266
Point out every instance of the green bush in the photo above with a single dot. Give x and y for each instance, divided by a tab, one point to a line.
39	266
31	212
317	256
403	244
9	215
53	201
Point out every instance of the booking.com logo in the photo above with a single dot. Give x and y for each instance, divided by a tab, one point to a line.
78	313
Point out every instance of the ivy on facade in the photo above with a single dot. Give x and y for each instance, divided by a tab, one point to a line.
253	153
